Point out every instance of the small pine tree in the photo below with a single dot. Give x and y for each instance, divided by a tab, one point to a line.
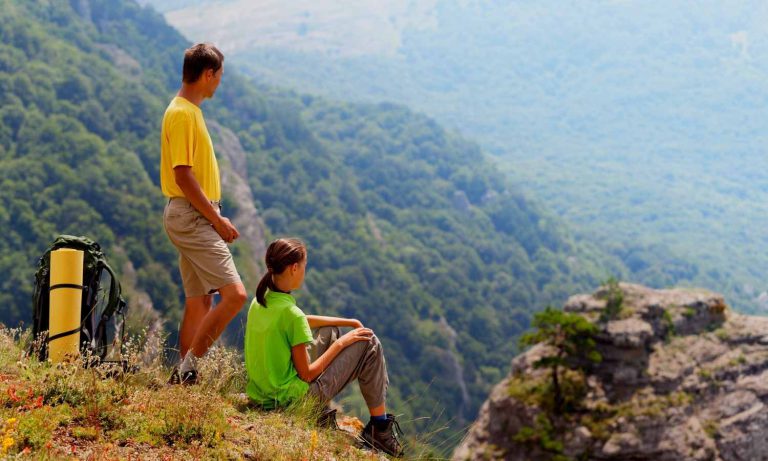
614	299
572	338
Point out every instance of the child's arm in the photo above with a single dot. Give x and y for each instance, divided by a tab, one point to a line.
317	321
309	371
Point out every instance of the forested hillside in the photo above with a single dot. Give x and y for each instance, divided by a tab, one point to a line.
640	122
410	228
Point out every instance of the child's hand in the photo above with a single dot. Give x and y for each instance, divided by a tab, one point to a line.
358	334
356	323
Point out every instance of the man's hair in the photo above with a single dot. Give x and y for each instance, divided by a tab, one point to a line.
198	58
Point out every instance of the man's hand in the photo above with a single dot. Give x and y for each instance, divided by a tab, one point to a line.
192	191
226	229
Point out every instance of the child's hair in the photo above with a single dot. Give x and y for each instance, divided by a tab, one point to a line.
280	254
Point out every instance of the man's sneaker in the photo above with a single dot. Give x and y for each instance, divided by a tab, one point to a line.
187	378
384	436
175	378
327	419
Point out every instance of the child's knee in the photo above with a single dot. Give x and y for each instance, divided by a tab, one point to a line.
330	332
375	344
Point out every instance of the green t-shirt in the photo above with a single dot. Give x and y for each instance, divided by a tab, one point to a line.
269	335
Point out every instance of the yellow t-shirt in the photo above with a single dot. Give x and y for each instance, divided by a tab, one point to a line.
185	140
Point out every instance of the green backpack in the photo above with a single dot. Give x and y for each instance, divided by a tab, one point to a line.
100	310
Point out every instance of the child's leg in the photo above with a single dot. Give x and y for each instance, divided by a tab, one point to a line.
364	361
324	337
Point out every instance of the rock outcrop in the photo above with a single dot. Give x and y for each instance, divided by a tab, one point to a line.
234	182
682	378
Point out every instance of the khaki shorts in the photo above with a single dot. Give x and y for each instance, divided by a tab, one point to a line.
205	261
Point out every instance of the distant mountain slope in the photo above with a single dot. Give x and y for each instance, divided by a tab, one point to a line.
410	228
641	122
341	28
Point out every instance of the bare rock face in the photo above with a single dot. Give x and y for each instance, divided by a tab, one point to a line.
682	378
234	181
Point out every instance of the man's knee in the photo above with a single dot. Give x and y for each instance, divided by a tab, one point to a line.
240	296
234	294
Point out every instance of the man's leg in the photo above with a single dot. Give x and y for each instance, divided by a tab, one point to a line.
214	322
205	263
196	306
195	309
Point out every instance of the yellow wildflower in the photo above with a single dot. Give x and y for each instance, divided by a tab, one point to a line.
11	421
7	443
313	441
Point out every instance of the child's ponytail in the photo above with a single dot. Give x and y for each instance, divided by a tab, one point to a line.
261	289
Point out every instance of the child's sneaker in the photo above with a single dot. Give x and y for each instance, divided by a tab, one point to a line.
327	419
384	436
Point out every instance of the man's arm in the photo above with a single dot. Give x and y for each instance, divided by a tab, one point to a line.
317	321
192	191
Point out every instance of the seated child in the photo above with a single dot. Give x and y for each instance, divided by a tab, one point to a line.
279	341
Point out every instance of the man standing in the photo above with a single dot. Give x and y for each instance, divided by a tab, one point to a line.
189	177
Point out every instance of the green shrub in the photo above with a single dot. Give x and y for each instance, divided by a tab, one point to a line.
614	298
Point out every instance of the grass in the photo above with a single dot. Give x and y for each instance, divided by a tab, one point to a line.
711	428
544	432
721	334
614	300
670	324
604	416
55	411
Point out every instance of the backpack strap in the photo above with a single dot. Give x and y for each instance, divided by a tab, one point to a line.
116	301
66	333
66	285
115	305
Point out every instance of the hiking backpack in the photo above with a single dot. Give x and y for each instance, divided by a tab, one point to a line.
98	308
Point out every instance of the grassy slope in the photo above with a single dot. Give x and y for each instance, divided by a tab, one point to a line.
53	412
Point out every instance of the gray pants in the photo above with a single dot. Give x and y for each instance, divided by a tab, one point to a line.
363	360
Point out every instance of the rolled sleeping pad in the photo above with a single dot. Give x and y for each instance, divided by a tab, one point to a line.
66	296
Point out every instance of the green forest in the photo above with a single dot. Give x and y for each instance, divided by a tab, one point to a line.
641	123
410	228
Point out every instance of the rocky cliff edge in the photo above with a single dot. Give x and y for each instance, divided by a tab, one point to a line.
682	378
